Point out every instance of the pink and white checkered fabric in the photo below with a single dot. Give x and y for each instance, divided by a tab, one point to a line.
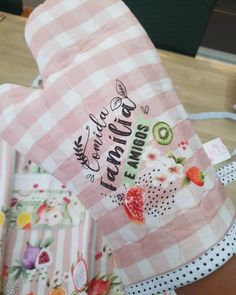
110	126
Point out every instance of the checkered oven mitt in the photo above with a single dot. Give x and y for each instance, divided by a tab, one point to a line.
108	124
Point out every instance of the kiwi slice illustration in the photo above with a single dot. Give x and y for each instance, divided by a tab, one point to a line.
162	133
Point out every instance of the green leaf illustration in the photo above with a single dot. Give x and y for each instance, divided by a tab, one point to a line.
185	182
47	242
13	268
17	274
24	273
180	160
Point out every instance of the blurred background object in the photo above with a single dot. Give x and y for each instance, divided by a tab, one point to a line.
174	25
32	3
191	27
220	32
11	6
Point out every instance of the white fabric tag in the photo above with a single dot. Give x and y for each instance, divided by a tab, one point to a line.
216	151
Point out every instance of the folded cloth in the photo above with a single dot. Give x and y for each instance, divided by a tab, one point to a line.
50	239
35	196
109	125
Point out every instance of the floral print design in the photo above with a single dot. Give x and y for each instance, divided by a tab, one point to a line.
170	166
151	155
163	174
184	149
170	169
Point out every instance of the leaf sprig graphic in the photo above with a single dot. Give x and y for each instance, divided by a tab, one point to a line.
120	88
116	102
79	151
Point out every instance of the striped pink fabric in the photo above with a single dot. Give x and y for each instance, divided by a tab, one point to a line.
100	118
7	156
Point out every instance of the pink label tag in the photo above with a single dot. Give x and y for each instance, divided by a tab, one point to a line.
216	151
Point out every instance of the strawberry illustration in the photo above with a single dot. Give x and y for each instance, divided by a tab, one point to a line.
99	287
134	204
195	175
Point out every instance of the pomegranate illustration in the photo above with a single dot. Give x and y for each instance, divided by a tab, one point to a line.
134	204
43	259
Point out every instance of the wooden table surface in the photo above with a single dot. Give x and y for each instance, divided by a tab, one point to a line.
202	84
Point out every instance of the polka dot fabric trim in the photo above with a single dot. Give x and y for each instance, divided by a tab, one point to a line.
191	272
227	174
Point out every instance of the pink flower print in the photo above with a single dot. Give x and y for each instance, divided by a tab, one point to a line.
175	170
161	178
184	149
151	156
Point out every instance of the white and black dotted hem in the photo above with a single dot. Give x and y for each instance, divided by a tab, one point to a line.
227	173
191	272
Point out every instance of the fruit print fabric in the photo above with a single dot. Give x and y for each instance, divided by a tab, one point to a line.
29	267
6	170
134	204
44	266
195	175
162	133
59	282
96	148
24	274
35	208
40	200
